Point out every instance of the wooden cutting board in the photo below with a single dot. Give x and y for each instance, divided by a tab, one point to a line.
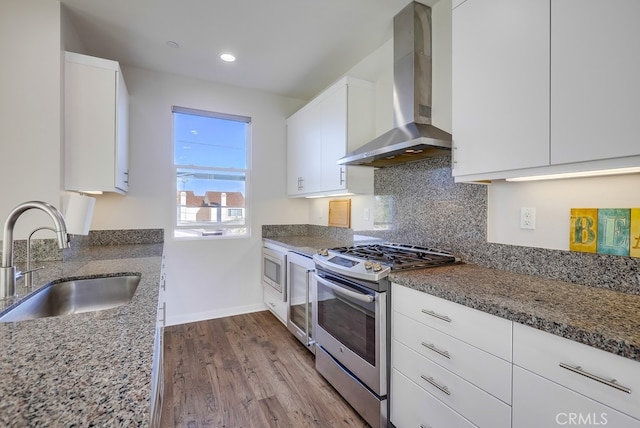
340	213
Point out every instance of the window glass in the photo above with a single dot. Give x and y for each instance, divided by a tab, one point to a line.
210	158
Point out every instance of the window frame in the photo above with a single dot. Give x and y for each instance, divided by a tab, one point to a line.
208	169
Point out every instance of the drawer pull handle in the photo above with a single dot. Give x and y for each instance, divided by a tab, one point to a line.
433	314
436	350
442	388
612	383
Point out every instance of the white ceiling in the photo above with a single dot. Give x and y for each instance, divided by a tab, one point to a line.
293	48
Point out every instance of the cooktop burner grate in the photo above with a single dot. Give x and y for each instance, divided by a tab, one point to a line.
399	256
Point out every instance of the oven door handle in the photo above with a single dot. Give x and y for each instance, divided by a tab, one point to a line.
367	298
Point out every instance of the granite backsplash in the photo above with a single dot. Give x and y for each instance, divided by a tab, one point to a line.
429	208
419	203
47	249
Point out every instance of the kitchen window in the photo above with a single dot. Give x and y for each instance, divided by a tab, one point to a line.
211	160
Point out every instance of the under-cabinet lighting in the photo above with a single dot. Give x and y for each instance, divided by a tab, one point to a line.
602	172
329	196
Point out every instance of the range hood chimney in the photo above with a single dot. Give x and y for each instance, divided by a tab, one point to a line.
413	137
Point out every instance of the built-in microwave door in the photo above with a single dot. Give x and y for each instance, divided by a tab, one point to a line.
274	271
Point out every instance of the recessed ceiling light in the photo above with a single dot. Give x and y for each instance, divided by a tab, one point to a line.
227	57
172	44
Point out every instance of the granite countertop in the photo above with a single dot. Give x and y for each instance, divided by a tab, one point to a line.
307	245
89	369
598	317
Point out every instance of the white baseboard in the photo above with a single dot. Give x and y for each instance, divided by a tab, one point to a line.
218	313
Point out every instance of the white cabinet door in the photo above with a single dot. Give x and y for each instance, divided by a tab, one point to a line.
122	136
538	402
412	406
500	85
474	404
303	151
321	133
455	356
333	118
595	64
96	125
485	331
157	372
275	304
554	357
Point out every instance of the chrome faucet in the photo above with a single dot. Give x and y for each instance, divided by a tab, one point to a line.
8	270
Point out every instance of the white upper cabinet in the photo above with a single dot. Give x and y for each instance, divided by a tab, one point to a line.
595	64
339	120
303	143
96	125
544	87
500	86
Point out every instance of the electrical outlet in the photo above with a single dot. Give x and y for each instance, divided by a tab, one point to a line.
527	218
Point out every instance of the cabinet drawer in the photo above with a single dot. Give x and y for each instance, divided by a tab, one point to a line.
462	359
542	353
471	402
413	407
487	332
275	304
538	402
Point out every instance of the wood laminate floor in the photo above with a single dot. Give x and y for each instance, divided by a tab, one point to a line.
246	371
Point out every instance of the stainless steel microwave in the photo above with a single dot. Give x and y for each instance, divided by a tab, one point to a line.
274	271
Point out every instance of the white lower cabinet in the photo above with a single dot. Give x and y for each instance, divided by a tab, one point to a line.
157	370
456	356
470	401
453	366
457	361
538	402
275	304
592	373
412	407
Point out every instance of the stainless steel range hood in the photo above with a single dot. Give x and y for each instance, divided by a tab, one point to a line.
413	137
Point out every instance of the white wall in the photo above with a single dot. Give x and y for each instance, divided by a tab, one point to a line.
214	277
553	201
30	113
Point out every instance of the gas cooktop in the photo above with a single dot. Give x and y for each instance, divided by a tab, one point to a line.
398	256
373	262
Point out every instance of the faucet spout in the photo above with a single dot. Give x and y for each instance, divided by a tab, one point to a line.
8	270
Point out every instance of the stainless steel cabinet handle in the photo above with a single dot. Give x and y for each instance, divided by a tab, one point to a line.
341	176
433	314
612	383
432	347
442	388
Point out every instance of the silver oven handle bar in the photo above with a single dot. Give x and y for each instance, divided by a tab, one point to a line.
348	293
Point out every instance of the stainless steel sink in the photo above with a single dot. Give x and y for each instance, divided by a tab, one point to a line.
74	296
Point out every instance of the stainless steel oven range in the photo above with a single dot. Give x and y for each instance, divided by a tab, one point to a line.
353	319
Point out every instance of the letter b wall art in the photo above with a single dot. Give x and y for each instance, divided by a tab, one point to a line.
614	231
